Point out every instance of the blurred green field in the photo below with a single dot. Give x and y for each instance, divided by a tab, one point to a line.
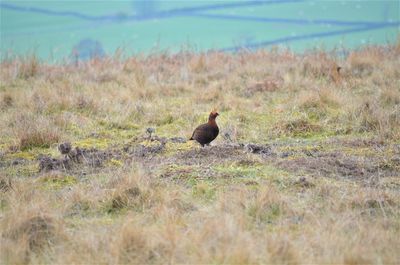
52	29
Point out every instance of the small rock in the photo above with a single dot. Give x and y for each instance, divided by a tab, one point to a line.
143	151
75	154
47	163
65	148
150	131
177	140
227	136
17	161
251	183
258	149
308	153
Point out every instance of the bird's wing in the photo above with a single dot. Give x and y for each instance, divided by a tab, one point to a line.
203	132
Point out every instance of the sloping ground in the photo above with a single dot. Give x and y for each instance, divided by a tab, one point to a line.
306	168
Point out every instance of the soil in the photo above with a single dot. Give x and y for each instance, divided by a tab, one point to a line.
302	160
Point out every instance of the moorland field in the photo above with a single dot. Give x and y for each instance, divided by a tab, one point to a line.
306	168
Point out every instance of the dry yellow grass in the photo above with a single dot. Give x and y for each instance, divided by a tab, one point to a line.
320	184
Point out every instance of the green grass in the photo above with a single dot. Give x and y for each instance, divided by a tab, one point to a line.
332	163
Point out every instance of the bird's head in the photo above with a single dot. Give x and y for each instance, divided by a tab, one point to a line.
213	115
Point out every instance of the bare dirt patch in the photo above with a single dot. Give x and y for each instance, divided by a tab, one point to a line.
79	157
358	166
300	158
211	155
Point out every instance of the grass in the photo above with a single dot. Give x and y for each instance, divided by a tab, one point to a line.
320	183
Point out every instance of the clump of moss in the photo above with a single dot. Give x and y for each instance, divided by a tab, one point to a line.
56	180
28	155
240	169
99	143
115	162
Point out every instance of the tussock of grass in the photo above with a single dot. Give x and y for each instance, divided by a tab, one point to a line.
299	127
28	67
390	96
371	116
37	139
32	132
28	233
266	206
133	245
6	101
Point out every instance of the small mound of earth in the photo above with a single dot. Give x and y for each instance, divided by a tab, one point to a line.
259	149
89	157
211	155
335	164
357	143
47	163
179	140
143	151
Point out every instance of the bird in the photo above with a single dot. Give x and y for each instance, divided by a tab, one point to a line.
150	131
335	73
65	148
207	132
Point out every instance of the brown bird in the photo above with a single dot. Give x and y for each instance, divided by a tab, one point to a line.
207	132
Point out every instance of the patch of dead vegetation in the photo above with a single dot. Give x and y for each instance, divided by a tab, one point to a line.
5	184
269	84
337	164
38	231
364	61
227	203
31	132
321	65
133	245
